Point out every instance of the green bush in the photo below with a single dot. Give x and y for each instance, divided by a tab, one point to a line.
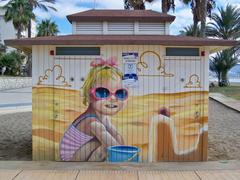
13	62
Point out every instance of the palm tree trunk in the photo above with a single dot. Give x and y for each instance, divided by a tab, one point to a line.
29	65
140	5
224	78
219	79
203	18
30	24
29	29
19	33
164	6
195	25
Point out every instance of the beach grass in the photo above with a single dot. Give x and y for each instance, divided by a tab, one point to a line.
230	91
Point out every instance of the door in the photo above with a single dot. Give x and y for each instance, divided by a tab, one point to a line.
88	110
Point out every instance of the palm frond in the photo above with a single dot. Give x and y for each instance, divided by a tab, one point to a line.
47	28
226	24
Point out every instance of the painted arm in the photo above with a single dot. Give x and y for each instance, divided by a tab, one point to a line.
100	131
113	131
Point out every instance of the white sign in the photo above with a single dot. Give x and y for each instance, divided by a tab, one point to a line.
130	78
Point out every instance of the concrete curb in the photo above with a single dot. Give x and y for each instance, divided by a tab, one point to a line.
21	109
226	101
169	166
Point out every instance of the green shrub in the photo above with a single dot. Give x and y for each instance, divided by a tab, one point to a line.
13	62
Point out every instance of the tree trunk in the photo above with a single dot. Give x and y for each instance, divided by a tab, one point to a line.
203	16
224	78
140	5
164	6
30	24
29	29
219	79
29	66
195	25
19	33
196	16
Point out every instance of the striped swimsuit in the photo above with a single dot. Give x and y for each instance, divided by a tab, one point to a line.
73	139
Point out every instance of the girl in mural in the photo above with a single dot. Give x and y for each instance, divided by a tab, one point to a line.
92	132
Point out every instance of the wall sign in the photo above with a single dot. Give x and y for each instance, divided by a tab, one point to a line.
130	78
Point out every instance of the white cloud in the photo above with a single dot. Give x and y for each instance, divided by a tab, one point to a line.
225	2
109	4
42	14
63	7
183	19
156	5
183	12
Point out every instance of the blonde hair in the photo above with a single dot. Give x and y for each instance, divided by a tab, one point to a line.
98	73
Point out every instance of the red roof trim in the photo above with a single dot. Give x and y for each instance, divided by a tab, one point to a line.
120	15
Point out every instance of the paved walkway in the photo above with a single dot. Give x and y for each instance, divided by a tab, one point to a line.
16	98
103	171
227	101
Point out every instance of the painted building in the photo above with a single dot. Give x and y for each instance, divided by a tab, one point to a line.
120	80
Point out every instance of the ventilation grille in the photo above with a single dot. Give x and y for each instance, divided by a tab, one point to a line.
89	28
151	27
120	27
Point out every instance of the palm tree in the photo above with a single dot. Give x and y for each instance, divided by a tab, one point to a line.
221	64
140	4
47	28
19	12
189	31
226	24
41	4
136	5
167	5
200	10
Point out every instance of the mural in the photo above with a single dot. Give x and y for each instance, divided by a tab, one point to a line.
59	76
92	132
87	124
160	67
193	82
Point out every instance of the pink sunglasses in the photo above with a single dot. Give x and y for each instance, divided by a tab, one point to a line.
100	93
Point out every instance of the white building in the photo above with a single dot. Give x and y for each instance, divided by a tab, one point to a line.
7	30
160	71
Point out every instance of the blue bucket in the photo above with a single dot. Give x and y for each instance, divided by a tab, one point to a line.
123	154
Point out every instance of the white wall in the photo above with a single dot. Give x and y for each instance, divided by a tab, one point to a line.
129	28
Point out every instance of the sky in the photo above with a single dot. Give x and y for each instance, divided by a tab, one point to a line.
65	7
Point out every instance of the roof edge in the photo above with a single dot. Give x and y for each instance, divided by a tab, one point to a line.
143	18
166	40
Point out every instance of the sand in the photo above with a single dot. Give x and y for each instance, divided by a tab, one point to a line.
224	134
16	136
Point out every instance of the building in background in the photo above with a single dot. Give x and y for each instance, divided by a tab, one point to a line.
7	30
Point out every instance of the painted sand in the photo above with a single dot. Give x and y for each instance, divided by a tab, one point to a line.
53	114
